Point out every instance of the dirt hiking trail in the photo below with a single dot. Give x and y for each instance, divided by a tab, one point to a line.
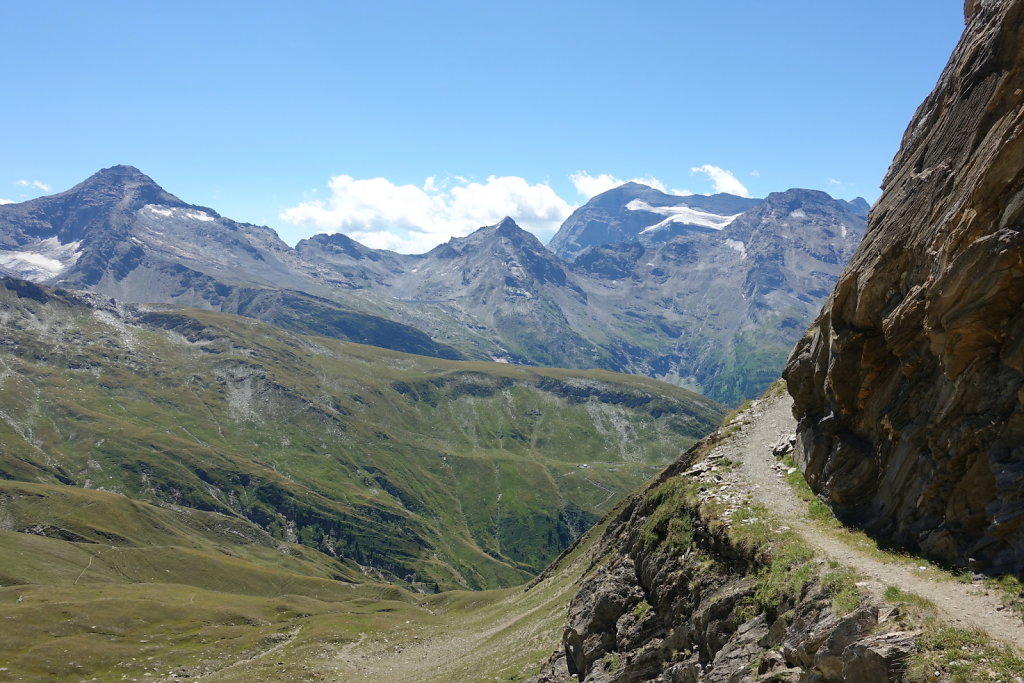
962	604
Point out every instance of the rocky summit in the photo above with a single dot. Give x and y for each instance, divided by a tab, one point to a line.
908	387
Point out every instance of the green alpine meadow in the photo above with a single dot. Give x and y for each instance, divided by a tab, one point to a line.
436	474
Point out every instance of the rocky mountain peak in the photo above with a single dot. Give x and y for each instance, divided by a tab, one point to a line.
124	185
335	244
802	198
808	215
99	207
506	224
498	237
634	211
859	206
508	229
626	192
118	174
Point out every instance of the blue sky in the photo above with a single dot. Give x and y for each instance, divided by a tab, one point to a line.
403	123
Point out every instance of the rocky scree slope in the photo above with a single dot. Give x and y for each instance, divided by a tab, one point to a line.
704	292
437	473
909	387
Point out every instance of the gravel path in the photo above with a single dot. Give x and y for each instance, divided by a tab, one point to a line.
965	605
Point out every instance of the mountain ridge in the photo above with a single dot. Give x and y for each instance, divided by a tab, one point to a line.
623	213
495	294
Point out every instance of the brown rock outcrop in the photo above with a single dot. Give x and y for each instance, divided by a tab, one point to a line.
909	386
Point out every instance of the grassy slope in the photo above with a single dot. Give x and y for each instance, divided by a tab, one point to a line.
131	588
113	605
447	474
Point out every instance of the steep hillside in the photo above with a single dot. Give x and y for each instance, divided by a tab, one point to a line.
440	474
909	385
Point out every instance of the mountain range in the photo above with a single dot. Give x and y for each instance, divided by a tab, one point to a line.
708	293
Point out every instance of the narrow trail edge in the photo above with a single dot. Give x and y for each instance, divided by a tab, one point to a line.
962	605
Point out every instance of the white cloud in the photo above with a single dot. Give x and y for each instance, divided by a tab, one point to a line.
413	219
723	181
833	181
6	201
755	173
33	183
589	186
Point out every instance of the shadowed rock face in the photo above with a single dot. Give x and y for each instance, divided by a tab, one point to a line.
909	386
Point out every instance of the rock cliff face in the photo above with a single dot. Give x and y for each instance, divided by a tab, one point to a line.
909	386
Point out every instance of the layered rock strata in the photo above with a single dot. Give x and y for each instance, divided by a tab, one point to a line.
909	386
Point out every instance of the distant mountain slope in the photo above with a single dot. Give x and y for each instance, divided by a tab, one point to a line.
713	310
719	310
707	292
513	288
438	473
623	213
120	234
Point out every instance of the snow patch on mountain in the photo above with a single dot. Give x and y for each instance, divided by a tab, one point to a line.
198	215
40	260
682	214
738	246
156	210
177	212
